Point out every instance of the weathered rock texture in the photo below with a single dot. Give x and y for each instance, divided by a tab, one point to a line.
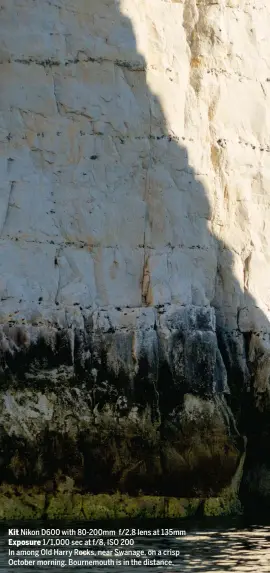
134	210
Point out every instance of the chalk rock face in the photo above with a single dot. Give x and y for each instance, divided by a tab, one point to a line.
134	214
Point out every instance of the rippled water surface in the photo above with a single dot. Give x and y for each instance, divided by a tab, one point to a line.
213	547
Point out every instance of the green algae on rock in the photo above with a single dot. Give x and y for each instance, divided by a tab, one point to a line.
19	503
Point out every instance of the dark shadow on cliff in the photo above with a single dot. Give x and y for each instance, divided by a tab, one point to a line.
177	216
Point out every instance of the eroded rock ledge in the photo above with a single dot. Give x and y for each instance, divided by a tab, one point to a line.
131	400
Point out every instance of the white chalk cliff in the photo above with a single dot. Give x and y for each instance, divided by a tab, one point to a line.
135	238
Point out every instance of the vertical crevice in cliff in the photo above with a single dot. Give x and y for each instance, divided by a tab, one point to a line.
146	298
11	189
246	267
146	282
190	20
